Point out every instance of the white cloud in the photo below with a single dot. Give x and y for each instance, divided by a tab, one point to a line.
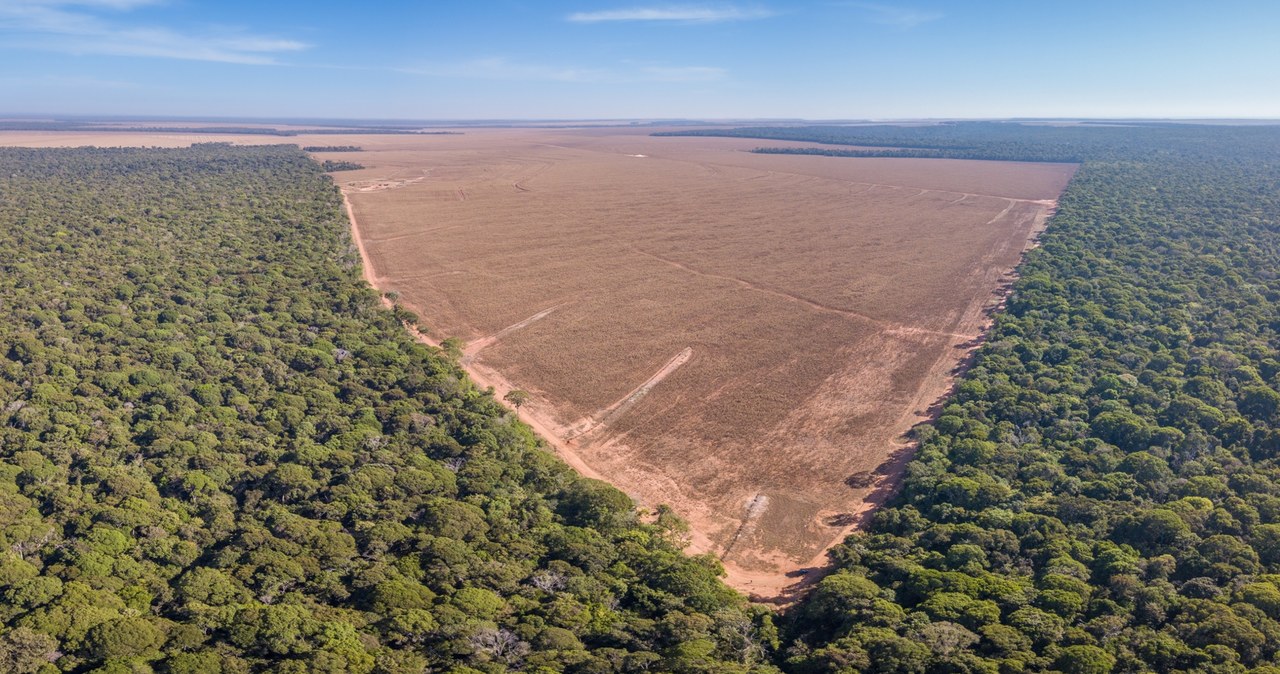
901	17
674	13
72	27
499	68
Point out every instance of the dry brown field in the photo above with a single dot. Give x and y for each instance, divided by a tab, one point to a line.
744	337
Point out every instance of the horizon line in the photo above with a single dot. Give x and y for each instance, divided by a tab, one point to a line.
338	121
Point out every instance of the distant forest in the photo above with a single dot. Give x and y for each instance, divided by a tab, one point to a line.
63	125
331	148
331	165
219	453
1009	141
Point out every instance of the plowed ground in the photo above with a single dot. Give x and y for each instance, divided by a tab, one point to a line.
744	337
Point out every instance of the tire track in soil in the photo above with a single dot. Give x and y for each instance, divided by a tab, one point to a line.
541	422
890	327
766	172
479	344
1001	214
410	235
586	425
757	287
423	277
755	508
519	183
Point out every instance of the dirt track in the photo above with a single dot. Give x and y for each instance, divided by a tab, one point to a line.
483	377
579	431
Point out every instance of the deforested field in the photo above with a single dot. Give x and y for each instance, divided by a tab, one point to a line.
744	337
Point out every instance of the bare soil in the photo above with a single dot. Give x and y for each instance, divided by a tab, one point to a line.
744	337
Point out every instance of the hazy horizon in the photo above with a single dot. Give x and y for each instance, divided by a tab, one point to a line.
90	118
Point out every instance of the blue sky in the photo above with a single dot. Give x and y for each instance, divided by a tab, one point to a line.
512	59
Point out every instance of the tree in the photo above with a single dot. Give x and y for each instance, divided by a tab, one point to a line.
453	347
516	398
25	651
1085	659
123	638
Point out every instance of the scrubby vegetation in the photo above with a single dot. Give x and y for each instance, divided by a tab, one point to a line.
331	165
218	453
331	148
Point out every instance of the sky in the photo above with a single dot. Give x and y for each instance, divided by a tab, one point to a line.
509	59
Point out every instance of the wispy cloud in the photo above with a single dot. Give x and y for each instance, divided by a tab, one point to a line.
674	13
77	27
500	68
682	73
900	17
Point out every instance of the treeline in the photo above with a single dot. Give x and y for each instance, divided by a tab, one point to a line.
1102	493
15	125
58	125
331	148
331	165
218	453
1018	154
1005	141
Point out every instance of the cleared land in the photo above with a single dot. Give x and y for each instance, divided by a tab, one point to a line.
744	337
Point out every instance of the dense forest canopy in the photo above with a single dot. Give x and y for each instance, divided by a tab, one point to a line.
218	453
1012	141
331	165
